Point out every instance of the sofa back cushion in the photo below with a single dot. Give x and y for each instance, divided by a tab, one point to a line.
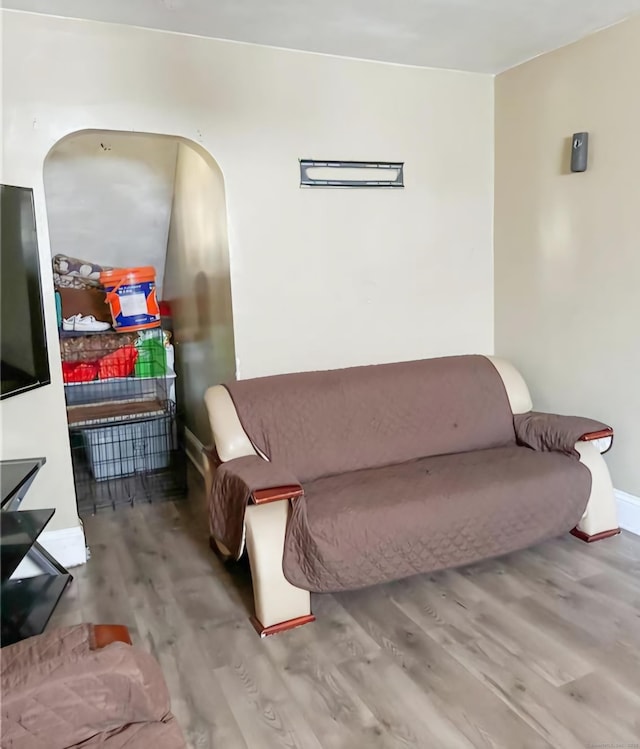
323	423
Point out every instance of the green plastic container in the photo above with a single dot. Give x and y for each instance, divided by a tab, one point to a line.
152	358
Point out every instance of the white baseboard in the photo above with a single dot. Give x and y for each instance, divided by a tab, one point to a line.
66	545
194	450
628	511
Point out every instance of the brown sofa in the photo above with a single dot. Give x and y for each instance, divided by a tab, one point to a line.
84	686
347	478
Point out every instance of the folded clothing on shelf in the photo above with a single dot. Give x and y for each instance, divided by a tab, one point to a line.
75	273
94	347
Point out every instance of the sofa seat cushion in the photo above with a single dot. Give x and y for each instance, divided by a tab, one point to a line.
382	524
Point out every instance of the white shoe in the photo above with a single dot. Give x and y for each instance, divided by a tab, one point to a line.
68	322
84	324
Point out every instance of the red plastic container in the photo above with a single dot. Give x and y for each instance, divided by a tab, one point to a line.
120	363
79	371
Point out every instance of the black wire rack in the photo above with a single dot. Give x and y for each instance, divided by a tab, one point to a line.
123	425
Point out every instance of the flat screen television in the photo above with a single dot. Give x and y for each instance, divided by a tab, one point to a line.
24	363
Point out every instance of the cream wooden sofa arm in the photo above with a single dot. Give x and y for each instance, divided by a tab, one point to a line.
600	519
278	604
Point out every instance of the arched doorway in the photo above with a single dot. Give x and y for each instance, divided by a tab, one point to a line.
120	199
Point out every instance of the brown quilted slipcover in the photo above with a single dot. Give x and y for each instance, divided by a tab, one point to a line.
406	468
233	484
59	693
323	423
545	432
384	524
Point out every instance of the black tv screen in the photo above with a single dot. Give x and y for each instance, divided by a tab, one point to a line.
24	363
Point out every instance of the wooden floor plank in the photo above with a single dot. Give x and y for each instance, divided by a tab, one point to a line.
535	650
332	707
483	718
544	707
408	715
604	696
263	707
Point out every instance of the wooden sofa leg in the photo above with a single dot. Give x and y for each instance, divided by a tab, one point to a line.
105	634
275	629
279	606
600	519
596	536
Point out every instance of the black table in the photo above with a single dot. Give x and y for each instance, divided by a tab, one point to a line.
26	603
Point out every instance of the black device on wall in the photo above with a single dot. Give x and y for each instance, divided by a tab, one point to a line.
579	152
24	363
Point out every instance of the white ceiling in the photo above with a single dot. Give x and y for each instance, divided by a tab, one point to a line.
486	36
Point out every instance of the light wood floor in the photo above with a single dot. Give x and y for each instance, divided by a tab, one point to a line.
537	649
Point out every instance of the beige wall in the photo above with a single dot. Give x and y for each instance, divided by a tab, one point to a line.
34	424
198	285
567	246
109	198
320	278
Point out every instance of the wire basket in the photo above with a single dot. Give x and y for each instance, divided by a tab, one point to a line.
121	410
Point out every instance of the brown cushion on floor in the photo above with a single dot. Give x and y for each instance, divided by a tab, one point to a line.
81	695
35	658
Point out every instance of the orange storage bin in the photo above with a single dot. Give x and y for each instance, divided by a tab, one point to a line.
131	296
